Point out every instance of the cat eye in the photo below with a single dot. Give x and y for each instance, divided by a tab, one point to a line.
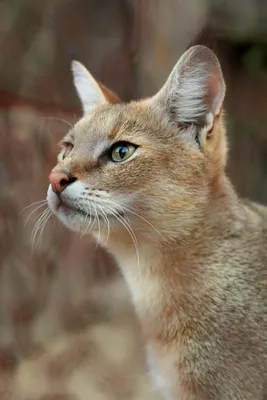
67	150
122	151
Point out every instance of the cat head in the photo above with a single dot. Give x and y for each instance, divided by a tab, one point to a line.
149	164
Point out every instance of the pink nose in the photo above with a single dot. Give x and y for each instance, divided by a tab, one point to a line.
60	180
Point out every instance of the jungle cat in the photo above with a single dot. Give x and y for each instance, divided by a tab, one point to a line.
148	180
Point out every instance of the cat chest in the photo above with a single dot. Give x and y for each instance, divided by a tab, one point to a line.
164	373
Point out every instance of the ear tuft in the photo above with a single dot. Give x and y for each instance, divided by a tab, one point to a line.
87	87
195	89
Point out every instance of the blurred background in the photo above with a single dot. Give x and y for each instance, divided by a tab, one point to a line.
67	329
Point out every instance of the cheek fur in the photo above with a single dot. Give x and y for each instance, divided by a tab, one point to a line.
126	177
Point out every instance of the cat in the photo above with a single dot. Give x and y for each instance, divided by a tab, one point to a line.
147	179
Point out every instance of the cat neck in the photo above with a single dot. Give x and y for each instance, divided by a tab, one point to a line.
162	272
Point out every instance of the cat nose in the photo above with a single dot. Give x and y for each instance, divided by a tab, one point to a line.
60	180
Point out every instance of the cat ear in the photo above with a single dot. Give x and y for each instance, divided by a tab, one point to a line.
90	92
194	91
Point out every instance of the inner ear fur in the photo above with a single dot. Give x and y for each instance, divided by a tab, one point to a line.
91	92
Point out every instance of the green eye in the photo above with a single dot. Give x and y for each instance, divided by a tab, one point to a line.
68	149
121	151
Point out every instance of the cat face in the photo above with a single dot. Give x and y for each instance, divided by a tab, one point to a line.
147	164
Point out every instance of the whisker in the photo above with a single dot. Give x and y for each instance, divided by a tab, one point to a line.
38	225
33	204
89	223
29	216
145	220
124	208
98	224
43	226
107	220
59	119
132	235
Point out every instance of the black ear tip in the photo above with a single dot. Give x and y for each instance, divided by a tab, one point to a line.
208	37
71	55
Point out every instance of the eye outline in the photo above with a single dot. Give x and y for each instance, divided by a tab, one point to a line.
121	144
68	147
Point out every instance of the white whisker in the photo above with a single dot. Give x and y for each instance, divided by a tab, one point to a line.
144	219
89	223
59	119
43	226
98	224
38	223
33	204
124	208
42	219
107	220
131	233
29	216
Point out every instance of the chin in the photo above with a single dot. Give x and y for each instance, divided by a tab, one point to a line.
74	222
74	218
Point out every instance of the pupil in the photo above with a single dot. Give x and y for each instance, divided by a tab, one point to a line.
122	151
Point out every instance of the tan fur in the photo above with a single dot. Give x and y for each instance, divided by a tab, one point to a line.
200	287
111	97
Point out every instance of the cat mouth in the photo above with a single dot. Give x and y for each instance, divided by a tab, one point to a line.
67	209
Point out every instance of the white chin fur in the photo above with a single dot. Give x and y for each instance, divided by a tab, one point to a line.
73	220
52	199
